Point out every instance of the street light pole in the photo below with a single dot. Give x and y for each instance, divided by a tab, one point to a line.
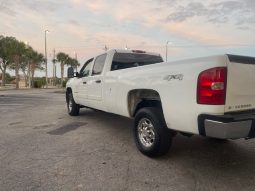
166	49
46	64
54	68
75	55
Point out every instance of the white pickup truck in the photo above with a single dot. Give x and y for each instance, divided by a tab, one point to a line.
211	96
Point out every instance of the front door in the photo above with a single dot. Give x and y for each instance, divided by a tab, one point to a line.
84	81
96	79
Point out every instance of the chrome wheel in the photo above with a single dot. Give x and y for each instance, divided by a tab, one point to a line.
146	132
152	137
70	103
72	108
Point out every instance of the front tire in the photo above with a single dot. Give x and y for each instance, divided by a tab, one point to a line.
151	134
72	108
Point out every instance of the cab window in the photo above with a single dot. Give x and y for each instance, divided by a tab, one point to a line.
85	71
129	60
99	64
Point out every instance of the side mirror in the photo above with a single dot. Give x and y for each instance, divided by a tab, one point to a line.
70	72
76	74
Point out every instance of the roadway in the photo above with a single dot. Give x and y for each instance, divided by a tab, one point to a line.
43	148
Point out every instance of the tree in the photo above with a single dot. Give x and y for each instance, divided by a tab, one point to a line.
25	64
17	50
3	59
37	60
54	60
65	59
8	78
6	54
11	51
31	60
16	55
3	67
72	62
62	58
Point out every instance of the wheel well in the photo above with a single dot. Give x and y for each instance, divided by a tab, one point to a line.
140	98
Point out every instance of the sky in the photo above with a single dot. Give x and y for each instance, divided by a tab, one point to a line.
192	28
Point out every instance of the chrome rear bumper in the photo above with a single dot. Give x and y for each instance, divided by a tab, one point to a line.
230	126
233	130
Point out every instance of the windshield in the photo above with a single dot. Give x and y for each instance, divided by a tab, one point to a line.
129	60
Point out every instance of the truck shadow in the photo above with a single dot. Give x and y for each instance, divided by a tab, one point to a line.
108	119
66	128
199	148
226	165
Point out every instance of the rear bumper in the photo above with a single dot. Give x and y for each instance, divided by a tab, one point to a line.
229	126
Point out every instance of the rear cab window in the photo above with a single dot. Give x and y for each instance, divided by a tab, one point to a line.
130	60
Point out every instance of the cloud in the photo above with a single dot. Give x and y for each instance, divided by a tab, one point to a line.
4	8
15	7
95	6
199	21
238	12
49	6
183	13
74	22
91	24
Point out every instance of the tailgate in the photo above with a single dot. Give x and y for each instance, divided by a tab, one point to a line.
240	94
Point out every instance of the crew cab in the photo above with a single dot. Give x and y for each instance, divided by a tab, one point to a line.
210	96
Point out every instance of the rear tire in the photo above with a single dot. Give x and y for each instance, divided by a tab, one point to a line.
72	108
151	134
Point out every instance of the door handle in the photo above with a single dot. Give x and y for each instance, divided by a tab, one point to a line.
84	82
98	81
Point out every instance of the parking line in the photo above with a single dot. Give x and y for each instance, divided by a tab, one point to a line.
12	104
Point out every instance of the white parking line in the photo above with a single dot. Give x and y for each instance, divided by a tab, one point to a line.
11	104
23	98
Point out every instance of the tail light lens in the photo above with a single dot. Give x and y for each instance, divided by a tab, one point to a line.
211	86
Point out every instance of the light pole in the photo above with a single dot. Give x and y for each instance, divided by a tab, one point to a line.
46	65
54	67
167	48
75	55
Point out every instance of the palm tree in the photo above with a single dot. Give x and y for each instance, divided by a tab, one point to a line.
36	64
62	58
26	63
31	61
54	60
73	62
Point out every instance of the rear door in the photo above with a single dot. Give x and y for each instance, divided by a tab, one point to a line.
240	83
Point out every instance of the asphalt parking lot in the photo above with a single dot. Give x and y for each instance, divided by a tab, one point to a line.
43	148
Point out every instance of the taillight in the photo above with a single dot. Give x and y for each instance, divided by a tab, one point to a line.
211	86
